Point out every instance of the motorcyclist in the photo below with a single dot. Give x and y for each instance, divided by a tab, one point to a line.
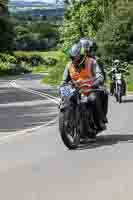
116	68
83	66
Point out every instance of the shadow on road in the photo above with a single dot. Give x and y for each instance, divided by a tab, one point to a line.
127	101
107	140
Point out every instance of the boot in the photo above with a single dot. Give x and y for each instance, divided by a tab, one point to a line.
101	126
105	120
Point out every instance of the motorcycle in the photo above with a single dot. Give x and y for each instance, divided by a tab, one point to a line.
76	119
118	87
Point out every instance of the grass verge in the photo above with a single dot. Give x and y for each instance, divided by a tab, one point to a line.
54	72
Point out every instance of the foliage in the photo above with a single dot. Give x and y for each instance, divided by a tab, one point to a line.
110	22
7	58
6	28
82	18
115	38
13	69
35	35
35	58
55	72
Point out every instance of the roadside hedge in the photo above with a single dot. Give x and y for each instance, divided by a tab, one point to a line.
24	62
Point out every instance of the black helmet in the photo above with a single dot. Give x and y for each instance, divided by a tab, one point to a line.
116	63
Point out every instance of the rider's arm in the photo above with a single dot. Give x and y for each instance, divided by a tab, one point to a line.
97	73
124	71
110	72
66	76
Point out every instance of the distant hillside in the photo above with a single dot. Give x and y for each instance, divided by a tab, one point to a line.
36	8
15	4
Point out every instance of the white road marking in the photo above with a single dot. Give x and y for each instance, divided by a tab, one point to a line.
24	103
50	97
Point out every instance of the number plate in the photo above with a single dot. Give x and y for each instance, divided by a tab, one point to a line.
84	99
119	82
67	91
118	76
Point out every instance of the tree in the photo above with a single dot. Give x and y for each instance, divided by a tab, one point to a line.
116	37
82	18
35	36
6	28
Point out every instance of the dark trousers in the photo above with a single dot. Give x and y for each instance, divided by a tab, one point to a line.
104	98
99	102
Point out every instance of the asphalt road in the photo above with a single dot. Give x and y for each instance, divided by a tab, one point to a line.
35	165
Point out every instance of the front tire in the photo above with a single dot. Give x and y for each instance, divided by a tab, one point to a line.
119	94
69	135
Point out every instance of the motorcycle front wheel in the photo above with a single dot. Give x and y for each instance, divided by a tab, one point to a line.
68	130
119	95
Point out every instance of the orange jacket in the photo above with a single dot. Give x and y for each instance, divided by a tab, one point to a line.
84	73
84	76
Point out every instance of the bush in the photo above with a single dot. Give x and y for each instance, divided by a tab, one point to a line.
23	62
50	61
13	69
7	58
4	69
26	57
35	59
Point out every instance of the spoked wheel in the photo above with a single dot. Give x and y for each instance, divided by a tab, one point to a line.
68	131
